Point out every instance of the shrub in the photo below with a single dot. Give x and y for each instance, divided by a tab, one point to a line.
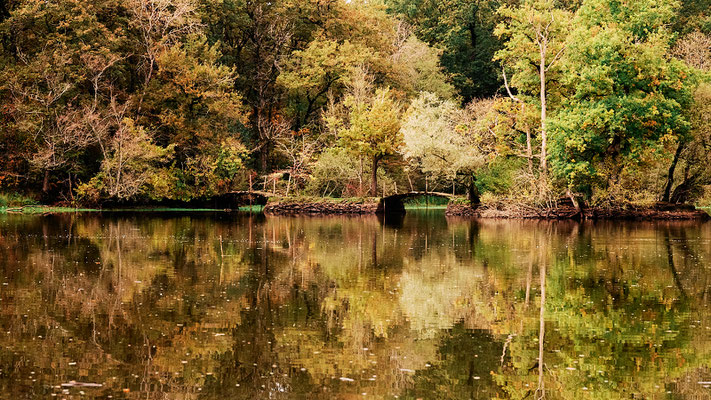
15	200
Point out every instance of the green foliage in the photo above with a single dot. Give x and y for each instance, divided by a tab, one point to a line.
336	172
693	14
417	69
628	95
463	30
131	169
15	200
461	201
425	201
500	176
340	173
372	125
177	100
437	140
534	32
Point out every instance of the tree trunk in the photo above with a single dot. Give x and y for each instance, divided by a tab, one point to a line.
575	201
45	182
529	150
670	177
544	134
374	178
288	185
540	391
360	177
473	194
263	157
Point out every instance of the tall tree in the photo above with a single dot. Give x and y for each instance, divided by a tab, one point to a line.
370	126
445	141
629	94
464	31
255	38
534	34
56	60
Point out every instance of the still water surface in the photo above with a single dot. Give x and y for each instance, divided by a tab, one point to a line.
240	306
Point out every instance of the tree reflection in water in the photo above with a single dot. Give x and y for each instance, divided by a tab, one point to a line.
243	306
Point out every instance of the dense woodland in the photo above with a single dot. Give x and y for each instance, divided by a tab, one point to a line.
604	101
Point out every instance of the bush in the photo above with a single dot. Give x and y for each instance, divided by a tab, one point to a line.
426	201
15	200
499	176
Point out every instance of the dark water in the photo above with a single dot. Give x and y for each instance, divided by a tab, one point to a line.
218	306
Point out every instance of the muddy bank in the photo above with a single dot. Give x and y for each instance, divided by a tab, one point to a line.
316	207
565	210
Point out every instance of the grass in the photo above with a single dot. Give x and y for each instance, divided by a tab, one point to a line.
38	209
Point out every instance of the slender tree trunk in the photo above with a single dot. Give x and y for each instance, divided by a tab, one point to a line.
529	150
672	265
529	146
575	201
544	133
374	178
45	182
670	177
71	190
529	277
263	157
541	391
360	178
288	185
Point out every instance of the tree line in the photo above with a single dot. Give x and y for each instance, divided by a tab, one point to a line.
603	101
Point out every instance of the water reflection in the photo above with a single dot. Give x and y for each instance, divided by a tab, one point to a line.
243	306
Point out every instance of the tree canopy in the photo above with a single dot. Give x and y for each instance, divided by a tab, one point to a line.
530	100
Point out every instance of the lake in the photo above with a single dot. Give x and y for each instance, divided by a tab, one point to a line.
243	306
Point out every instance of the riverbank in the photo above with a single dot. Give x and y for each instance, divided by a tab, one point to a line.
566	211
563	210
38	209
35	210
322	206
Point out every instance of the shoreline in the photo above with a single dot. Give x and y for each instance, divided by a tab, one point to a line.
373	206
655	212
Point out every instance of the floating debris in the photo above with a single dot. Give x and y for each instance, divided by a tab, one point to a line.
81	384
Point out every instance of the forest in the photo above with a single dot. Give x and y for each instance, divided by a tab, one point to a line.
520	101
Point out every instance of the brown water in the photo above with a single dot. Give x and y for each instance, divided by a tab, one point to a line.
217	306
